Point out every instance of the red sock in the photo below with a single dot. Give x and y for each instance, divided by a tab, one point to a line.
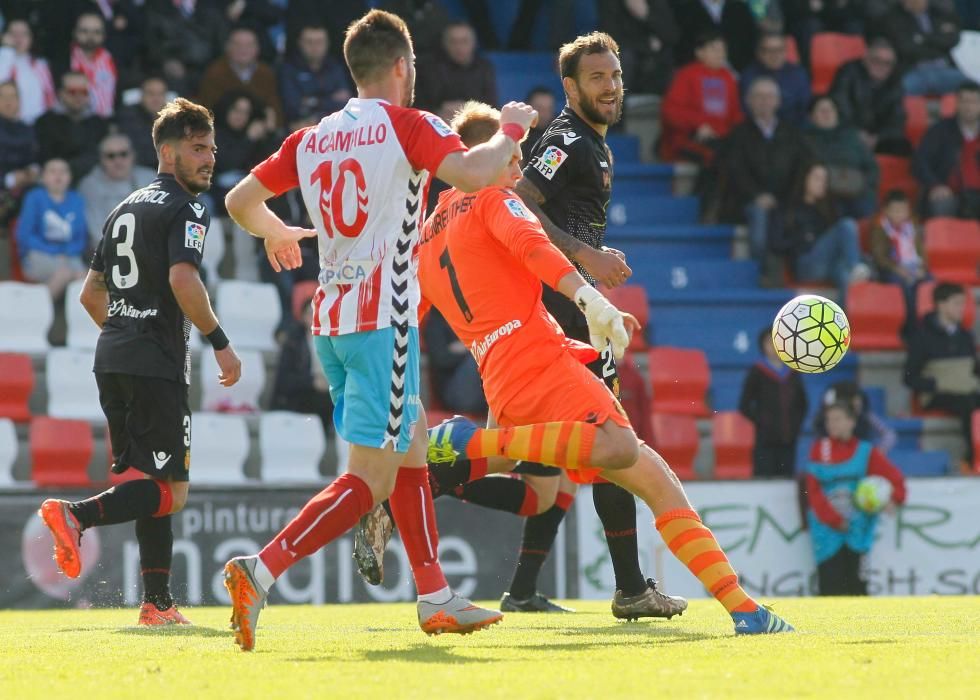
327	516
529	506
415	515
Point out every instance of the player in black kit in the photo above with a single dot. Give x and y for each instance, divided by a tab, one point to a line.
567	184
144	291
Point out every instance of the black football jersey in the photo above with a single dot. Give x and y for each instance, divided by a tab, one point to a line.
572	167
154	228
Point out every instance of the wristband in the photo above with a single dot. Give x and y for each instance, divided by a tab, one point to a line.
217	338
513	131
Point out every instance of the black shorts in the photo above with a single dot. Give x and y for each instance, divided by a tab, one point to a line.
535	469
149	424
605	366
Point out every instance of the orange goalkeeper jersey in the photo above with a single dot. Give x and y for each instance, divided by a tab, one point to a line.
482	258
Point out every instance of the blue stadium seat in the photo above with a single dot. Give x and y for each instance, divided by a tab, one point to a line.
649	245
726	389
626	151
695	274
921	462
519	72
909	431
877	400
631	208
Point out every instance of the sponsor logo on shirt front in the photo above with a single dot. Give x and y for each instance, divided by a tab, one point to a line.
119	307
347	272
479	350
438	125
548	162
194	235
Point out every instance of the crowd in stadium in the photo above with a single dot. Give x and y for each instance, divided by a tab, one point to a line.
782	147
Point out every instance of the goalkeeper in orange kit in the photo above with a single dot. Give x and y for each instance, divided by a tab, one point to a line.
482	259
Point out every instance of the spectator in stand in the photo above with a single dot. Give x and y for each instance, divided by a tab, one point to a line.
947	162
312	83
646	31
869	96
427	22
457	72
731	18
769	15
32	75
335	16
804	18
701	106
870	426
544	102
841	534
110	182
898	251
125	25
852	167
455	379
18	153
794	85
182	38
70	130
241	70
941	365
300	385
90	58
244	135
774	399
136	121
258	15
761	161
819	243
51	233
923	33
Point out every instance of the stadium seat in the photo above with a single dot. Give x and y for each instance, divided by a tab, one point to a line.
60	451
249	313
916	118
733	436
26	313
8	451
291	445
16	384
675	438
679	380
72	392
214	251
242	397
83	334
828	52
220	447
947	105
876	312
792	50
923	303
953	249
632	298
302	293
896	174
921	463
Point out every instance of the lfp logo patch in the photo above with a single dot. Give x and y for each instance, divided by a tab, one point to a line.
548	162
194	235
517	209
441	127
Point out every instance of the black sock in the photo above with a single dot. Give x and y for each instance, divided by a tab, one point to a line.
617	511
498	493
130	500
156	542
539	536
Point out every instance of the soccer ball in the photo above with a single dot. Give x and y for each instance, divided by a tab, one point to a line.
811	334
873	493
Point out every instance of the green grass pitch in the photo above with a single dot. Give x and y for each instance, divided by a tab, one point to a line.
844	648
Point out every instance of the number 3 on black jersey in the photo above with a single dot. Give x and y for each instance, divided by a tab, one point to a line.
446	263
125	227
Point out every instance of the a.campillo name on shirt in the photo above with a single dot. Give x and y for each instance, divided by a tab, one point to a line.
342	140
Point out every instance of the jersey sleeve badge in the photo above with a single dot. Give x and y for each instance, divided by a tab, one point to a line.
194	235
518	210
438	125
548	162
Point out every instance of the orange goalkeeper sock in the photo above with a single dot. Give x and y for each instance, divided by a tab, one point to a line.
565	444
698	550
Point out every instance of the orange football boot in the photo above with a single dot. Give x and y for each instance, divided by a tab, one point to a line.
152	616
67	534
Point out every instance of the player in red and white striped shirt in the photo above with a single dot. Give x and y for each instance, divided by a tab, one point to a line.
90	57
363	173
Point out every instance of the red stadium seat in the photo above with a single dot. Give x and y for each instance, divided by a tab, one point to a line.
792	50
632	298
733	436
876	312
60	451
953	250
676	439
16	384
679	379
828	52
923	303
916	118
947	105
896	174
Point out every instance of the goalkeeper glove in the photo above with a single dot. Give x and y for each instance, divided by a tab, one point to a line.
605	321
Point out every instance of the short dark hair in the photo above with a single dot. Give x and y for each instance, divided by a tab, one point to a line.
570	54
181	119
968	86
844	406
769	34
880	42
373	43
817	99
706	37
946	290
893	196
539	90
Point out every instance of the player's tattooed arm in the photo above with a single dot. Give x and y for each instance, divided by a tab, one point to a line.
569	245
95	297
